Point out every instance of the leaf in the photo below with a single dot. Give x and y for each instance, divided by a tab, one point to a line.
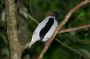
86	53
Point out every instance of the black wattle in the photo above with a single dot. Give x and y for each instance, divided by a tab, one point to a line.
46	28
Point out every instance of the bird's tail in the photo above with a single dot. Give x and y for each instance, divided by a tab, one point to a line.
28	45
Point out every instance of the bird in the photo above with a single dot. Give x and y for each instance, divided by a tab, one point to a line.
45	29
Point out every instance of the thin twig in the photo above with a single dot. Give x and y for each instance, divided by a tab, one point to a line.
31	6
74	29
25	13
33	19
71	49
61	25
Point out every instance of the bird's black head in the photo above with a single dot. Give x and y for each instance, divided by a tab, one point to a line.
53	13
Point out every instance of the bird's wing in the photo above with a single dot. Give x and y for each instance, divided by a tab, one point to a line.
35	36
51	31
39	27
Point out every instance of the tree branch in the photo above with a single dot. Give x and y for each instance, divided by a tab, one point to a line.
74	29
71	49
15	47
25	13
33	19
61	25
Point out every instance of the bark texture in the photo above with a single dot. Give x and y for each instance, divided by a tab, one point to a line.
15	48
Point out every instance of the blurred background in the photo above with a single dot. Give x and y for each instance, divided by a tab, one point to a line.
72	45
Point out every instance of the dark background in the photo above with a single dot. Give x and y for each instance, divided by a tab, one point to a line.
73	43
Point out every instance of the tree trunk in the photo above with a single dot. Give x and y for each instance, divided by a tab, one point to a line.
15	55
15	47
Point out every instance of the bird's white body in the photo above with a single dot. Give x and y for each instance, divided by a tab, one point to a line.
36	33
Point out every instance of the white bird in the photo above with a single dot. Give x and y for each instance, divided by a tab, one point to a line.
45	29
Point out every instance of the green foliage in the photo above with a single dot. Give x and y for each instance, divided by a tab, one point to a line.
77	40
